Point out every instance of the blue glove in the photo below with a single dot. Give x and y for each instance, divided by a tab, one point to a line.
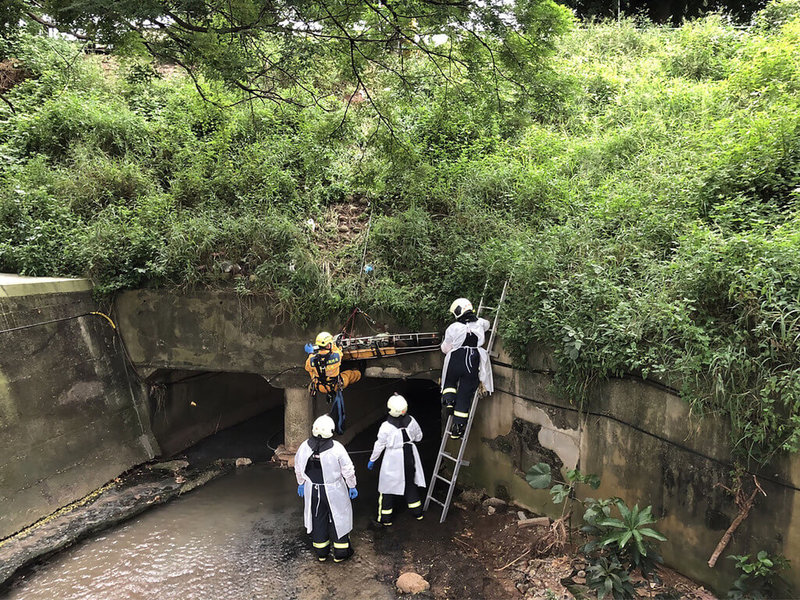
301	489
309	348
353	493
370	465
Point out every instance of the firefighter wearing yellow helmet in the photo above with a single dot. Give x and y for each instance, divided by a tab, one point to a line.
323	365
466	363
401	473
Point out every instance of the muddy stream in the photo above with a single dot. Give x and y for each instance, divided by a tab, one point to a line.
238	537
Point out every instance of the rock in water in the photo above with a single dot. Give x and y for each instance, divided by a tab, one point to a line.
411	583
243	462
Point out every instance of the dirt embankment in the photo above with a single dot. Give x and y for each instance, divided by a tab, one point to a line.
480	552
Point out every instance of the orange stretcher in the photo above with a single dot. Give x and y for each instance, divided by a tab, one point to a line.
387	344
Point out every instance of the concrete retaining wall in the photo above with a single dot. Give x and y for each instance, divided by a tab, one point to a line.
647	449
70	417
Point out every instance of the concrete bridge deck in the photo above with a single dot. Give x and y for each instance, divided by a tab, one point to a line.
223	332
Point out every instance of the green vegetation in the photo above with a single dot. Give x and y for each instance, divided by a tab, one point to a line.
643	191
615	547
760	576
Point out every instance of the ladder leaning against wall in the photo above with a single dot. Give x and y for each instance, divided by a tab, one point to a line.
458	459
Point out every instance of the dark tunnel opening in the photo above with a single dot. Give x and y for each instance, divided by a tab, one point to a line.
189	406
205	416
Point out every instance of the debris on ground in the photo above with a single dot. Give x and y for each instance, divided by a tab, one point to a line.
412	583
474	554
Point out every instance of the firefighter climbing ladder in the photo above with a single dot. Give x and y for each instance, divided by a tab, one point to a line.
462	442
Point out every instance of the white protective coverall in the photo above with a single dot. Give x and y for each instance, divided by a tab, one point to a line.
339	474
454	337
392	478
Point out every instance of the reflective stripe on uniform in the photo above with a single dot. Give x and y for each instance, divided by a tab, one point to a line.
449	391
321	544
343	545
386	512
415	504
458	413
380	504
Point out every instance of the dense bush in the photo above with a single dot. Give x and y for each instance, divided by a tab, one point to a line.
644	195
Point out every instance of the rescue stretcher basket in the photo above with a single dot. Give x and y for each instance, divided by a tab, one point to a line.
387	344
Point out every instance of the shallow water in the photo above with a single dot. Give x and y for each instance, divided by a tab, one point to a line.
237	537
240	537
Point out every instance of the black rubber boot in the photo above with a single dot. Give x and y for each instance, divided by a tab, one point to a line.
344	557
457	431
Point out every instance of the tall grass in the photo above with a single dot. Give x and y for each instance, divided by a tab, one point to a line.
644	197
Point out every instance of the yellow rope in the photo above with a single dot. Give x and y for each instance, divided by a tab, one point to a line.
105	316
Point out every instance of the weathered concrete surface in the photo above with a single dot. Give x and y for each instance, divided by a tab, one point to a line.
107	506
19	285
298	418
222	332
674	470
70	417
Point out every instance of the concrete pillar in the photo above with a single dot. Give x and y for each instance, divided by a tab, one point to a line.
298	417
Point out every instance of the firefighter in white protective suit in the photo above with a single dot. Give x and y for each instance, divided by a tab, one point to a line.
466	363
327	481
401	472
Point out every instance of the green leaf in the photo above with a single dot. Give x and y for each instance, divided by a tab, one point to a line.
623	509
612	522
640	546
539	477
652	533
559	493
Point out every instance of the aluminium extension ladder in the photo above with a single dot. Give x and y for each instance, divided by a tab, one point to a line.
462	442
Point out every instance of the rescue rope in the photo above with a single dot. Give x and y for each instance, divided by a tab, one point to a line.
31	325
364	254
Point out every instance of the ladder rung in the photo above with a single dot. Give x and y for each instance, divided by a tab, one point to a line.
432	499
454	459
447	481
494	354
489	308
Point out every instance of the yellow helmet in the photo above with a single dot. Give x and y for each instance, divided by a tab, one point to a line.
323	339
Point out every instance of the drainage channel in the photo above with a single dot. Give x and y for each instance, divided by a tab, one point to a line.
238	537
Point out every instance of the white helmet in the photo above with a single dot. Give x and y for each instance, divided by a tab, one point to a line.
323	427
397	405
460	306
